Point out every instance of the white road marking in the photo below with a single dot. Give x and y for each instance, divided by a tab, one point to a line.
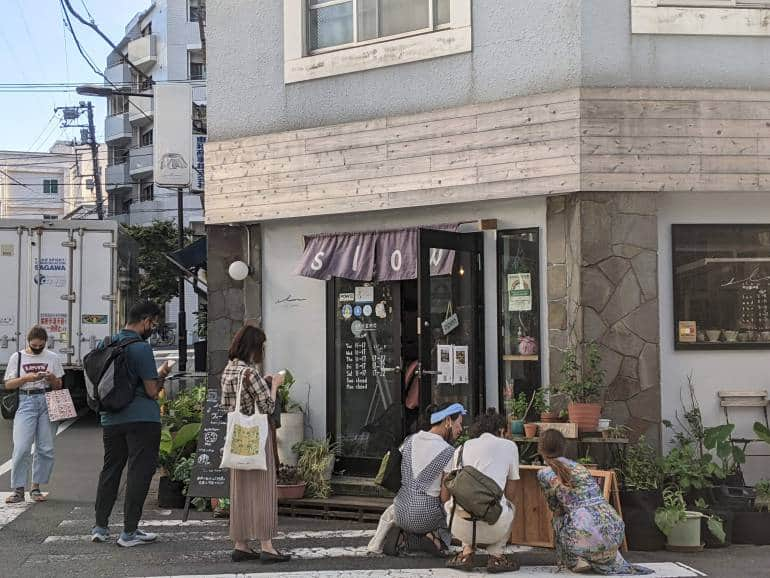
63	426
9	512
662	570
217	536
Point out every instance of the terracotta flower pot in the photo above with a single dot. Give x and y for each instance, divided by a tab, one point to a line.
549	417
585	415
530	430
290	492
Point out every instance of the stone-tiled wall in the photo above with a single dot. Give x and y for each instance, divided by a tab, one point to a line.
603	288
230	303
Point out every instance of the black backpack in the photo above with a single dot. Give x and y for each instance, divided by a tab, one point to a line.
108	380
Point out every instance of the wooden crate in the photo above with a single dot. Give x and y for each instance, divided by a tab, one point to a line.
354	508
568	430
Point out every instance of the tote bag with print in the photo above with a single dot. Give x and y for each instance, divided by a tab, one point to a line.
246	437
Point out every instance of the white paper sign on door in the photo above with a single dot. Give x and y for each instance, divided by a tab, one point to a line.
519	292
445	364
460	369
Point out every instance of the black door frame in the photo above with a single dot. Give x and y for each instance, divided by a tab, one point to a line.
466	242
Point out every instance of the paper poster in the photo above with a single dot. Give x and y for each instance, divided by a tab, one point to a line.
519	292
460	368
365	294
445	364
687	332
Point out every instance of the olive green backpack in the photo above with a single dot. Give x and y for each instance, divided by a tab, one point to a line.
474	492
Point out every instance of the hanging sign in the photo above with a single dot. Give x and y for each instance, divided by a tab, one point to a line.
519	292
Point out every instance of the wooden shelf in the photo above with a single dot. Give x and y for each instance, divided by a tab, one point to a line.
521	358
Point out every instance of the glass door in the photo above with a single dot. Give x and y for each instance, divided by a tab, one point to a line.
450	321
365	408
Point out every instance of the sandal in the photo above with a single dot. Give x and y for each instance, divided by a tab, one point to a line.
16	497
431	545
500	564
461	561
37	495
393	539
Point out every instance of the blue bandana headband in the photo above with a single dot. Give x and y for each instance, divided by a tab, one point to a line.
453	409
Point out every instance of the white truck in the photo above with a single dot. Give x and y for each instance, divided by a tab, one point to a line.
74	278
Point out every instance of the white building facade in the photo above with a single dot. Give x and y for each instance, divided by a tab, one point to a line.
50	185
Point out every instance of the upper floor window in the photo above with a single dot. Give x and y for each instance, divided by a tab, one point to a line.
193	10
146	139
117	104
146	191
197	66
700	17
340	22
50	186
147	30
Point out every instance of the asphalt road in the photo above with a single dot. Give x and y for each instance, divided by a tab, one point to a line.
51	539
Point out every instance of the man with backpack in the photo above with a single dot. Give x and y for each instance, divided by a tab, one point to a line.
123	384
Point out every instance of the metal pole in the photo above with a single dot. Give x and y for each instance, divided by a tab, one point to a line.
95	161
182	320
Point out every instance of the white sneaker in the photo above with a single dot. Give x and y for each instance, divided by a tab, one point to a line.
138	538
100	535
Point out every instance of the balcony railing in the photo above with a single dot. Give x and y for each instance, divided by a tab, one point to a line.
119	75
143	52
117	177
140	110
140	160
117	127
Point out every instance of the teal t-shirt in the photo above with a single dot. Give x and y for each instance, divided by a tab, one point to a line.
141	363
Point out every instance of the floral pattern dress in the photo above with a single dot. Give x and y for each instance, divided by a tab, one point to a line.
585	526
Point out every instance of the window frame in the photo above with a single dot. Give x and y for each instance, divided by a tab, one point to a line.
193	5
50	186
700	17
143	134
191	56
676	231
143	186
301	64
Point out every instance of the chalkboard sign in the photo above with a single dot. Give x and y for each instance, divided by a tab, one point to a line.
208	480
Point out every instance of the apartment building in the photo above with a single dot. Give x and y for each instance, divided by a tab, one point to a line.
501	180
50	185
164	44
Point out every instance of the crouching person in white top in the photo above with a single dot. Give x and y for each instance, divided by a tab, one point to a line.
498	458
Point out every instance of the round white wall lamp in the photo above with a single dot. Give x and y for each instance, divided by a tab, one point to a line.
238	270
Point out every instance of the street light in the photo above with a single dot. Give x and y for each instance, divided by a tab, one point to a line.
106	91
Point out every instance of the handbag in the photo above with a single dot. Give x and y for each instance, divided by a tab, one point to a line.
246	437
10	401
60	405
389	474
474	492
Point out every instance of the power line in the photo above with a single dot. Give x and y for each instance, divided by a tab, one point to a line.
50	120
17	181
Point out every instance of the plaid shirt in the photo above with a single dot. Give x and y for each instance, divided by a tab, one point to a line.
255	389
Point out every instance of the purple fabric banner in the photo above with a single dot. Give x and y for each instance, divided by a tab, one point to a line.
378	256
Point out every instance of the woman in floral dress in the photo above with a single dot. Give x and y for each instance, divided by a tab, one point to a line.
588	531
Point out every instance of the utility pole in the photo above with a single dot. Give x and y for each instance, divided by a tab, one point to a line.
182	318
95	161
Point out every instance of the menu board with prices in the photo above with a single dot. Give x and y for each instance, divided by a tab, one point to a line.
208	479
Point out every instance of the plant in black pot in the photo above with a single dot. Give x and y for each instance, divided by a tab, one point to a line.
753	527
642	475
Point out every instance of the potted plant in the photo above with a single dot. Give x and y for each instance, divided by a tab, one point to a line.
292	430
641	475
315	464
175	449
682	526
727	518
290	485
542	405
588	462
616	432
753	527
517	407
583	386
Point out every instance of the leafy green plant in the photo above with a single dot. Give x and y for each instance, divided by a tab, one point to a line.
683	468
541	403
719	438
182	471
762	432
288	476
582	384
463	437
288	404
674	512
641	468
185	408
762	488
518	406
314	459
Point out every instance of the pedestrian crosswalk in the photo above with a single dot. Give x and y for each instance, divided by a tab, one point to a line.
9	512
202	544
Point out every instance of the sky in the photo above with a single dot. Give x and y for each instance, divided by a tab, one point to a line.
36	48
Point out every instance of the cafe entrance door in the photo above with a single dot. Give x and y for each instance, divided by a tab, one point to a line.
378	330
450	322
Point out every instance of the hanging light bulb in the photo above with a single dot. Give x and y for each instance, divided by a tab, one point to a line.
238	271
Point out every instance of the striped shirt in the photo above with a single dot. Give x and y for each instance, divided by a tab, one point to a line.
256	391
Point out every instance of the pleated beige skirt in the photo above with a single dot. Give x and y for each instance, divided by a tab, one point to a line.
253	502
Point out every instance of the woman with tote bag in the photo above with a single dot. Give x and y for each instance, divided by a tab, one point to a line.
253	503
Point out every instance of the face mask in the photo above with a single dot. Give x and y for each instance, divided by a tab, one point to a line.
37	350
